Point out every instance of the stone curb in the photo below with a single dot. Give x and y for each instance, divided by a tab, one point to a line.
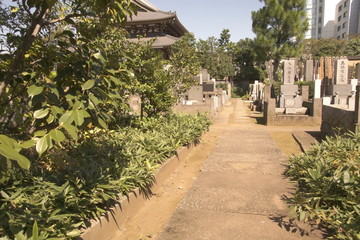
128	206
305	140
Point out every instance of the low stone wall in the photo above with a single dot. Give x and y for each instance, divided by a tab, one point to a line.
313	119
128	206
194	109
335	118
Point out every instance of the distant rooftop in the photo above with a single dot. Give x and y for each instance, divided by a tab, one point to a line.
145	5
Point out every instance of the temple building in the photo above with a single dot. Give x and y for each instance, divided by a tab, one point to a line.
150	22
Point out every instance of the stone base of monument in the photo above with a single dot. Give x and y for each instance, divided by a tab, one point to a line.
291	111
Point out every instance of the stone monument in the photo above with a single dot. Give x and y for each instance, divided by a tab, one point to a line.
290	100
309	71
341	90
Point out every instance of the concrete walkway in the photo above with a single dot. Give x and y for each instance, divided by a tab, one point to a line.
240	192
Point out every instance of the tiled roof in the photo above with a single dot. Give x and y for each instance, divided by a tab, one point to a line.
151	16
160	42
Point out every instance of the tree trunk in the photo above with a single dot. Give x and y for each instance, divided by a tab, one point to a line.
15	66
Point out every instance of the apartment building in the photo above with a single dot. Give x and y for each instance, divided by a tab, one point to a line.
347	18
321	15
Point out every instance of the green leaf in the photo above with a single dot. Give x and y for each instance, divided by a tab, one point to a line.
27	144
66	118
35	231
73	233
100	57
57	135
41	113
12	154
40	133
42	145
71	130
88	85
102	123
78	117
34	90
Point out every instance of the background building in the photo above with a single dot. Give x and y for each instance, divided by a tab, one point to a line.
321	15
332	18
347	18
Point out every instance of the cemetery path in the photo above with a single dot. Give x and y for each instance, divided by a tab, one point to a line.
240	192
231	187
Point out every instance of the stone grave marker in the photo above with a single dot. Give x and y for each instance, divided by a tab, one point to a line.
321	68
329	70
342	71
309	70
289	72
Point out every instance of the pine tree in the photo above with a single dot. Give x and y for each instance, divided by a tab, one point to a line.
280	27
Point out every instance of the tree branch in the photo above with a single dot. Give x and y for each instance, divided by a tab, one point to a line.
27	41
63	18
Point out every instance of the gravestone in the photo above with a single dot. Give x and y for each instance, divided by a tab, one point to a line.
342	71
289	72
270	70
205	75
195	93
322	68
309	70
329	70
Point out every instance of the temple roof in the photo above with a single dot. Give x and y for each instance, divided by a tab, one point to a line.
151	16
146	6
160	42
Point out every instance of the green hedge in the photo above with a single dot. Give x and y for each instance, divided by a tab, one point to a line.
329	185
66	189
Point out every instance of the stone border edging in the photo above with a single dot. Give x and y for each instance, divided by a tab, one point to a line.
128	206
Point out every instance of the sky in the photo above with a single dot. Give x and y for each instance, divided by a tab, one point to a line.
206	18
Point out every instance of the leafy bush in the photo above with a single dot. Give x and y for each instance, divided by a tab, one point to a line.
311	87
66	188
329	185
238	92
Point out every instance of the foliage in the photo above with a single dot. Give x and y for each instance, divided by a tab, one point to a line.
61	194
323	47
238	92
184	64
216	58
311	87
246	61
224	39
329	185
223	86
56	78
280	27
331	47
352	47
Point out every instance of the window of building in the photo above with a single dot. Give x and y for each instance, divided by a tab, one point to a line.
345	3
339	18
338	28
320	9
340	8
344	25
319	20
319	30
345	15
343	35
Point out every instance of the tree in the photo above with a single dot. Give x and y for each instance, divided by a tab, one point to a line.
183	64
352	47
280	27
323	47
56	78
245	60
218	60
224	39
36	15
